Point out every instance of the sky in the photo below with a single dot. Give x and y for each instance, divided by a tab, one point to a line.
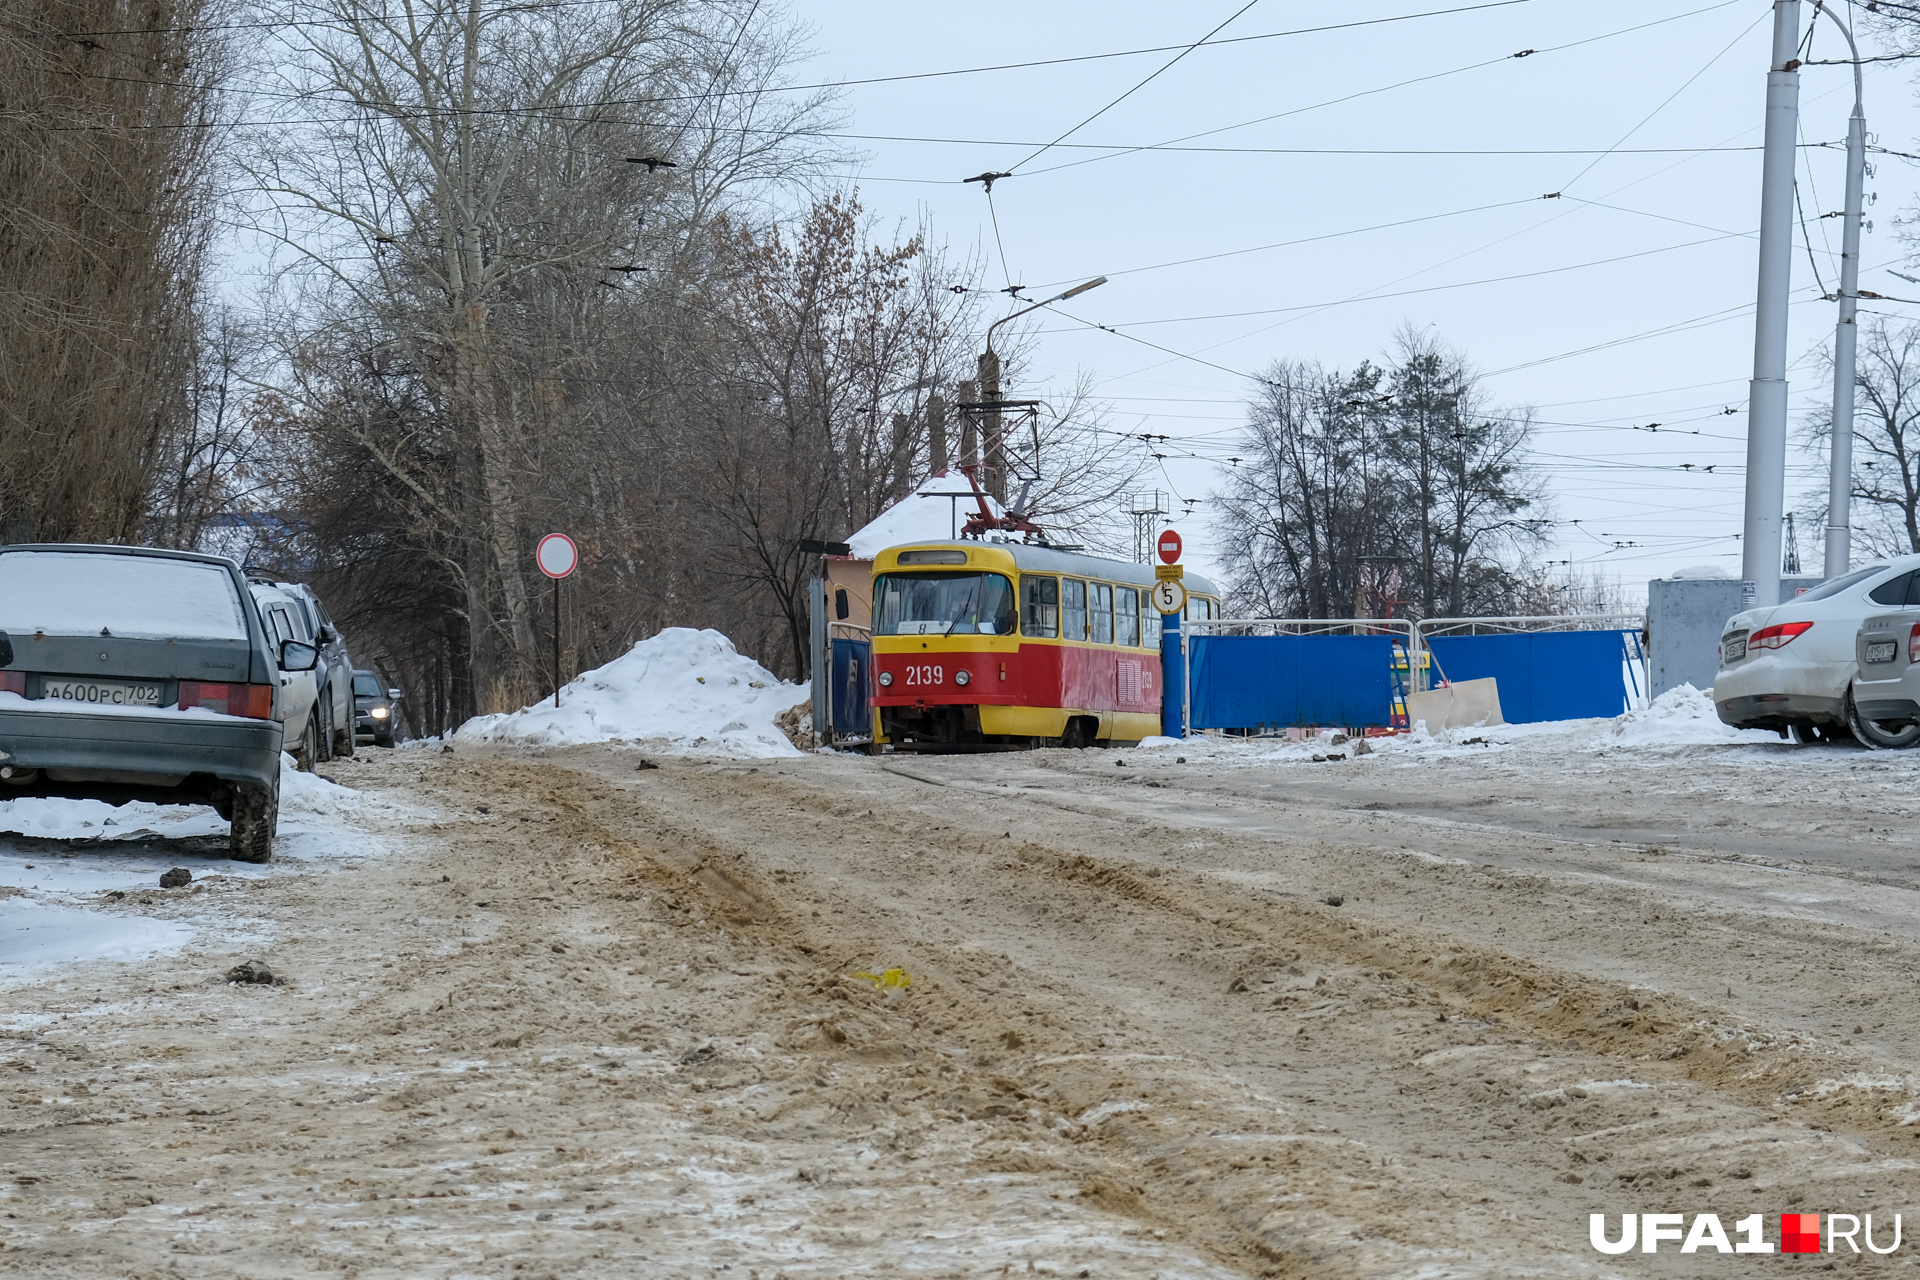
1337	184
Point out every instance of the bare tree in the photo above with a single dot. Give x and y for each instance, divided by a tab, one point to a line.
1396	473
492	168
109	145
1886	436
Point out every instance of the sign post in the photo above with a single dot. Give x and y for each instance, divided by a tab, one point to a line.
1170	598
557	557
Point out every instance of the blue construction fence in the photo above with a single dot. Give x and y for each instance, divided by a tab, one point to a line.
1271	682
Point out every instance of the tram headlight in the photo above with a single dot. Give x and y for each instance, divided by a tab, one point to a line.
886	678
962	677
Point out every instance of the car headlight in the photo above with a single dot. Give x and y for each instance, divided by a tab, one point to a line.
962	677
886	678
378	713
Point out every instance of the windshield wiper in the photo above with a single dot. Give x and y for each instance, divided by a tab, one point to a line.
965	605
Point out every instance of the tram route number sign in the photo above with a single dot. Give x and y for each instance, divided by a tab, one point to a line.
1168	546
1169	572
1169	596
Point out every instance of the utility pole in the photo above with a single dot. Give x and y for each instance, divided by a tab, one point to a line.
1147	513
993	439
1767	397
1839	540
987	389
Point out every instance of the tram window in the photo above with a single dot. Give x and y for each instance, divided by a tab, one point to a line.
1040	600
1073	609
919	604
1126	616
1149	621
1100	611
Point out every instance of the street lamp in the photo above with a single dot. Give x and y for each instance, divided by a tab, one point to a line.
1839	540
989	389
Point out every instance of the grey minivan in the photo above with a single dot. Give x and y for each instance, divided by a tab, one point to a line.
131	673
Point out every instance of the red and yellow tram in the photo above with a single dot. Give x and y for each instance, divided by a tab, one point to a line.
1016	645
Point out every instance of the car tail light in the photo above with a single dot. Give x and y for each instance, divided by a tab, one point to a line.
1913	645
1776	637
254	700
13	682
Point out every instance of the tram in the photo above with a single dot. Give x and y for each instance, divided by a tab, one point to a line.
988	645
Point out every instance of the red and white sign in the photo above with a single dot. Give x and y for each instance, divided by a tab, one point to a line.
557	555
1169	547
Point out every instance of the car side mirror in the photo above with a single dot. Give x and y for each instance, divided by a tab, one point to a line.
326	635
297	655
393	695
6	649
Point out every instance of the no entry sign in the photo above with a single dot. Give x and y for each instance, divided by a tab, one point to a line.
557	555
1169	546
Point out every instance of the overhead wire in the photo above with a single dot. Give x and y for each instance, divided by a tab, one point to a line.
1400	84
1167	66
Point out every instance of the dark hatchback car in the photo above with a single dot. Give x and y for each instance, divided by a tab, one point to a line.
128	673
373	710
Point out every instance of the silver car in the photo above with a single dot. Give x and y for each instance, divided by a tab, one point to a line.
1886	682
131	673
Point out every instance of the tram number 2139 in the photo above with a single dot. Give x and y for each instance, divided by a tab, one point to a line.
926	675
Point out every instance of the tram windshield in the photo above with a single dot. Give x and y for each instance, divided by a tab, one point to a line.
920	604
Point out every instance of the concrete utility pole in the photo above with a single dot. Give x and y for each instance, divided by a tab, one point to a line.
993	440
1767	399
1839	541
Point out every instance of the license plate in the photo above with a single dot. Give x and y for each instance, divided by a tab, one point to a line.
1736	649
1882	650
109	693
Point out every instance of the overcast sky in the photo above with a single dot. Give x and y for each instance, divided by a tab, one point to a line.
1628	300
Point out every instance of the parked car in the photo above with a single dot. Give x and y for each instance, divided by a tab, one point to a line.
373	709
1886	683
333	677
281	616
1791	666
130	673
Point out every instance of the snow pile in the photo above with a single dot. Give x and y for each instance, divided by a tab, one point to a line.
688	689
1682	717
933	512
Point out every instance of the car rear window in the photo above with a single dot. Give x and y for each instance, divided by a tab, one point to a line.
79	593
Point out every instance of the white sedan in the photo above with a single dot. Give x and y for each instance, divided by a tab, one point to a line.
1789	667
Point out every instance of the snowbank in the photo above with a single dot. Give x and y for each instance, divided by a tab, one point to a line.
1681	717
1678	718
688	690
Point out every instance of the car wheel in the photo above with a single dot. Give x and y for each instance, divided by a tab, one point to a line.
256	816
309	749
1875	736
1821	735
343	741
323	736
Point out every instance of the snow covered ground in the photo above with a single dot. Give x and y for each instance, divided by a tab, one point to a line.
681	692
1678	719
57	857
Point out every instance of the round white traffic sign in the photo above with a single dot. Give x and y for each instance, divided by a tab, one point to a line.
1169	596
557	555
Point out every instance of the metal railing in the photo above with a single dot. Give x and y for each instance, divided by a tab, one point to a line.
1301	626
